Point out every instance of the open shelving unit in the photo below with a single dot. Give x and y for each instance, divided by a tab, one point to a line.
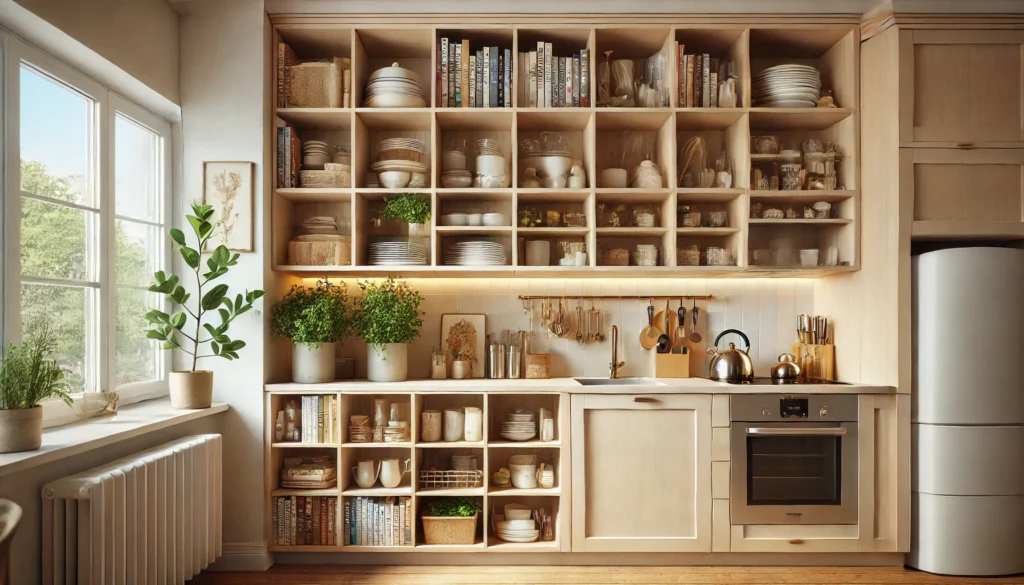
492	453
833	48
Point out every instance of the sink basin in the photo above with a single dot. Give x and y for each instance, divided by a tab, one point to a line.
618	382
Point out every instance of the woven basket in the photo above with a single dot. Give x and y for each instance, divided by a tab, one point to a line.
327	253
313	179
449	529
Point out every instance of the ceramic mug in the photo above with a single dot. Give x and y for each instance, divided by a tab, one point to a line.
614	178
392	471
365	473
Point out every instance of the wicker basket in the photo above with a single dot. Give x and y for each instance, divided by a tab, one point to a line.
316	84
325	253
449	529
325	179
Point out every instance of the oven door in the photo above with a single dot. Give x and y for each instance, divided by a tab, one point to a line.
794	473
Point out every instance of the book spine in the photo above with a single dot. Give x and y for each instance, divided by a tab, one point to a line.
389	522
457	64
364	509
309	520
502	65
300	520
531	79
509	66
303	415
714	89
280	75
681	74
585	78
576	80
442	64
705	63
293	521
451	74
465	73
540	74
480	79
471	78
315	537
567	83
320	419
486	74
279	158
276	537
548	76
296	159
494	78
382	524
396	523
332	522
560	78
697	100
520	68
408	520
346	536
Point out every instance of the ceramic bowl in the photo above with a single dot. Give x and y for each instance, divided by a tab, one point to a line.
395	71
548	166
418	180
394	179
453	219
474	219
392	100
456	182
494	219
453	160
518	512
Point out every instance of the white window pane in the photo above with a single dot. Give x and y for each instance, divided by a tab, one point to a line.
57	241
71	312
138	358
138	252
56	139
137	171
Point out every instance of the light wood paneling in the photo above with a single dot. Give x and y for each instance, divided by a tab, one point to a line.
967	185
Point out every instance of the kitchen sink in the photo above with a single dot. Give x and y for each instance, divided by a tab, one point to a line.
618	382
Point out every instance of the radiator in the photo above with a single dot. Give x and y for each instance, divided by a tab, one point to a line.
151	518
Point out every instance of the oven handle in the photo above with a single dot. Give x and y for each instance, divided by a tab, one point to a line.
797	432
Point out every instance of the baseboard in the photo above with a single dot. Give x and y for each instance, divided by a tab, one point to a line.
243	556
596	559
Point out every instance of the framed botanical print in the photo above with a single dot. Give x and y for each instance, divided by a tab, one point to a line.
228	187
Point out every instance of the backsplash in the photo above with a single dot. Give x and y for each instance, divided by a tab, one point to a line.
764	309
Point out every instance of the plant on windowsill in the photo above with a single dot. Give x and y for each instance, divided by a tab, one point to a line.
194	388
450	520
315	319
27	377
387	317
411	208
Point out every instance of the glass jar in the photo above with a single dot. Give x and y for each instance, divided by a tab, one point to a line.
692	219
689	256
791	177
644	216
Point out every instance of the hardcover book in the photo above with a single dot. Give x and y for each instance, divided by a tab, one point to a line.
494	78
509	66
464	69
585	78
443	66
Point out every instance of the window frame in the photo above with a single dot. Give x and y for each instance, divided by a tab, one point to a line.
106	106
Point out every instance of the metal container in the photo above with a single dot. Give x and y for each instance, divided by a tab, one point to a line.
496	361
514	362
732	363
786	368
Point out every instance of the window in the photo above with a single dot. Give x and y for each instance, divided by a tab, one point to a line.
86	210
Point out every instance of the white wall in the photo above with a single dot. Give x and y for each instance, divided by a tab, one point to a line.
223	101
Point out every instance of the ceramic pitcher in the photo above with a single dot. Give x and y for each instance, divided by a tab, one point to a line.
392	470
365	473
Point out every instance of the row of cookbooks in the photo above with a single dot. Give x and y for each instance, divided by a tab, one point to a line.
385	521
305	520
700	76
289	156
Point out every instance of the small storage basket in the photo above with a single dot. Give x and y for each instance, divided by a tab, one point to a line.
449	530
325	179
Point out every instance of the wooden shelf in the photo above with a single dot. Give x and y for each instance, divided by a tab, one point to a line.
707	231
696	195
319	118
511	491
967	230
625	232
837	221
305	548
378	491
473	230
451	445
708	118
451	548
796	118
297	445
503	444
404	445
496	544
451	491
560	195
808	196
315	195
474	194
553	231
329	492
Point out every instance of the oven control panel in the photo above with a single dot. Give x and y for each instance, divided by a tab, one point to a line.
793	407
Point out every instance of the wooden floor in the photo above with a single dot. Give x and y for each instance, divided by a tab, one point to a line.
520	575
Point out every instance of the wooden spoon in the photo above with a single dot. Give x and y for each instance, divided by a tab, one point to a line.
649	334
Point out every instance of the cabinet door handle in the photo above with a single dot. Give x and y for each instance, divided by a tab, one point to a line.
796	541
965	145
644	399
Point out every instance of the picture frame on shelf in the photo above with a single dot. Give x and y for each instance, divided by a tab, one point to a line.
454	327
229	187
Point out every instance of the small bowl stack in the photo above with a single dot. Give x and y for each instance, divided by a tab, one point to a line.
314	155
320	169
520	426
393	87
396	432
400	163
517	524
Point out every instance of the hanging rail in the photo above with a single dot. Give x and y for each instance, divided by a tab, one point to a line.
613	297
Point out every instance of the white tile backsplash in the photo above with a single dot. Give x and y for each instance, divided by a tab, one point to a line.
764	309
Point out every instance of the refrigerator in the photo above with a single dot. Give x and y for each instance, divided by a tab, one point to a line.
967	495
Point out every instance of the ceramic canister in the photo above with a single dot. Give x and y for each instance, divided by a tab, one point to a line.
431	420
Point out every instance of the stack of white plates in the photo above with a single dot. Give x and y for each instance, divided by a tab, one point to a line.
787	86
394	87
517	530
405	166
397	253
475	253
520	426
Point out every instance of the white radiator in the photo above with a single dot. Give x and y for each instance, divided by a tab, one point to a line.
151	518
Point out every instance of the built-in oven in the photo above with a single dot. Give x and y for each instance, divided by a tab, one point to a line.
794	459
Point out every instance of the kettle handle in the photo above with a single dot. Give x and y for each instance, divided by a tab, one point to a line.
746	340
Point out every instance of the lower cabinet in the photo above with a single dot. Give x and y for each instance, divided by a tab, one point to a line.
641	468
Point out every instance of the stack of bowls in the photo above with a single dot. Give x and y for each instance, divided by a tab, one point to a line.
393	87
551	159
315	155
400	163
454	174
490	165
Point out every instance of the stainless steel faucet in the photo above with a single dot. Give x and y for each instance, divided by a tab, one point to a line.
613	372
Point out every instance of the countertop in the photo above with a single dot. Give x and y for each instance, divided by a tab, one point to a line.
572	386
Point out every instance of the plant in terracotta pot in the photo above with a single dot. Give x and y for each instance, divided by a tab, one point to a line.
388	319
450	520
411	208
194	388
27	377
315	319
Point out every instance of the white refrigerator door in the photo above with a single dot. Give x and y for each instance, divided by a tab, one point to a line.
968	307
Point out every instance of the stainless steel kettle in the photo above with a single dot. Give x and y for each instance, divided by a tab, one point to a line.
786	368
732	363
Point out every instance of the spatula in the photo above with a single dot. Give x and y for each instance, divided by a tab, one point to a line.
694	336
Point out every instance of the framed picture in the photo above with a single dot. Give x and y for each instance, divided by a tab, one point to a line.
466	334
228	187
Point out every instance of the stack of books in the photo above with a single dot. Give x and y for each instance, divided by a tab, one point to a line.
286	58
378	521
289	156
473	80
699	76
319	419
309	473
547	81
305	520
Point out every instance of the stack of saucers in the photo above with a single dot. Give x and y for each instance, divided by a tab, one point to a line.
787	86
520	426
396	432
475	253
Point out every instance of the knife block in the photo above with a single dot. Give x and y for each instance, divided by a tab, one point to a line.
815	360
671	365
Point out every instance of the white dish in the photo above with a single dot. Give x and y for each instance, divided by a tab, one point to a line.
474	219
394	179
456	181
494	219
518	512
453	219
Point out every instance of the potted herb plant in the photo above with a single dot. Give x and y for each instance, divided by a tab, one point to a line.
450	520
315	319
411	208
27	377
194	388
388	319
461	343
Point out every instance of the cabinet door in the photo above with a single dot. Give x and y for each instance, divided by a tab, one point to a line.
961	87
641	473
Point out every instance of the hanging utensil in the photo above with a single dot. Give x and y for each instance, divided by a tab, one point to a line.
664	341
564	321
599	332
694	336
680	328
649	334
579	323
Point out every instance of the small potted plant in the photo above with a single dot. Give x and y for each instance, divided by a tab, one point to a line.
27	377
388	319
461	343
450	520
315	319
411	208
194	388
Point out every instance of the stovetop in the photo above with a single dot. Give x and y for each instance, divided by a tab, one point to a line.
761	381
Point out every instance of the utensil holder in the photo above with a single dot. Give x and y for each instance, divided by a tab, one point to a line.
671	365
538	366
816	360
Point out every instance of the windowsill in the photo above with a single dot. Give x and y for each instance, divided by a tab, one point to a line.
129	422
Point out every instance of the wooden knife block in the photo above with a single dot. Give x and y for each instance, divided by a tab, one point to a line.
815	360
671	365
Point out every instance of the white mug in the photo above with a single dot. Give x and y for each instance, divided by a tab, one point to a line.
365	473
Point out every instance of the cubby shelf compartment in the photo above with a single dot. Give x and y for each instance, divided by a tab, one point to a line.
835	221
829	196
319	118
378	491
797	118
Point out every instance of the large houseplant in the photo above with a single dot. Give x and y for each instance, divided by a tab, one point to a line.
315	319
450	520
194	388
388	319
27	377
411	208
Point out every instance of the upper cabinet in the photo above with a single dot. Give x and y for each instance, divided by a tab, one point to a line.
961	88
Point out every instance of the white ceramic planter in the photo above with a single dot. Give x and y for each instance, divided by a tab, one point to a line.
21	429
191	390
461	370
312	364
391	365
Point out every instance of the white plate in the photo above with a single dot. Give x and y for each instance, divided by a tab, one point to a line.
789	104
